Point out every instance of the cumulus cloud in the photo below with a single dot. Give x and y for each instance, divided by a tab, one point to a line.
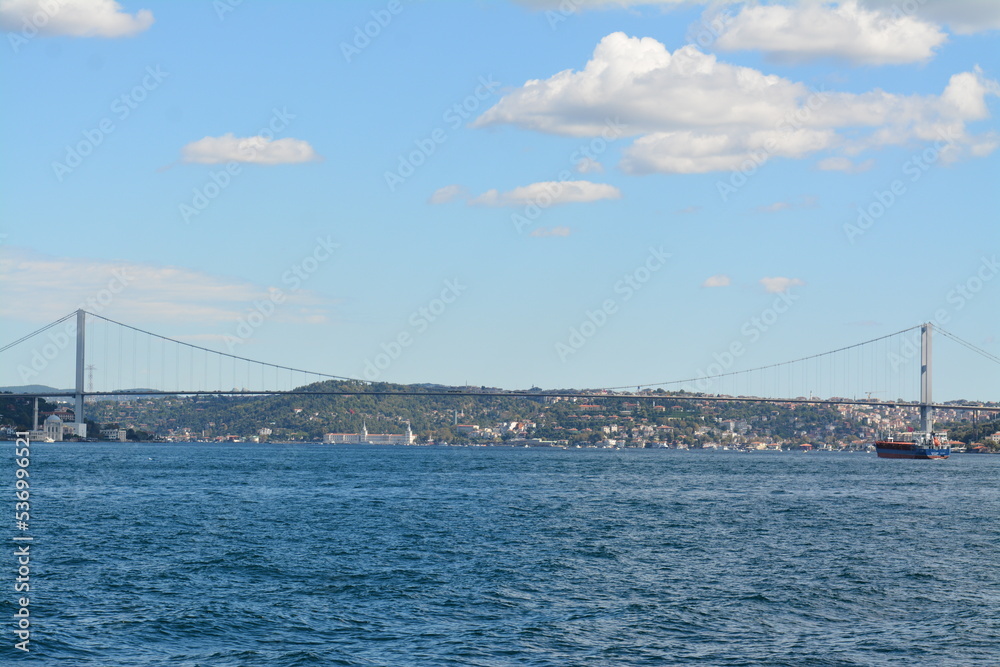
545	232
75	18
251	150
718	149
718	280
776	285
846	31
548	193
690	113
447	194
44	288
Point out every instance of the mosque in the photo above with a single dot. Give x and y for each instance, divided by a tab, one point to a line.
366	438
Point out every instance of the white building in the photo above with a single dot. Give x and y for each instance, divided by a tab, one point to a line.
366	438
114	434
53	428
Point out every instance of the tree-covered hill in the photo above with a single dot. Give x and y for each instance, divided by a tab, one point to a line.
652	417
17	413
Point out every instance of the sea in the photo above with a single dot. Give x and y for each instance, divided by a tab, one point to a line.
287	555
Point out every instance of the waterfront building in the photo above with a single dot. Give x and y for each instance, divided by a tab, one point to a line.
366	438
53	428
114	434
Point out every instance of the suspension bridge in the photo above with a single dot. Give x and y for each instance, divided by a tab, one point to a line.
893	370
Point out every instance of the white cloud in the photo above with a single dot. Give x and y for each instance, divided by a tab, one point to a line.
548	193
844	164
544	232
43	288
691	113
718	280
76	18
589	165
710	149
962	16
845	30
777	284
251	150
447	194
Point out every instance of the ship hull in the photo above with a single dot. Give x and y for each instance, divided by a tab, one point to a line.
909	450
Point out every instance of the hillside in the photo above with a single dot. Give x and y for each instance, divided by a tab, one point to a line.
652	418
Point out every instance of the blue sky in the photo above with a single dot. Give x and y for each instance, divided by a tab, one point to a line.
666	172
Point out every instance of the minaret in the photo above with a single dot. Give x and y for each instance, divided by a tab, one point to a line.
409	434
364	430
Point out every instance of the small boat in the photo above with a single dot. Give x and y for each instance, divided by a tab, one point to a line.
914	446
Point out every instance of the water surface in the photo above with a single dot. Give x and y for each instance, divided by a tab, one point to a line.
338	555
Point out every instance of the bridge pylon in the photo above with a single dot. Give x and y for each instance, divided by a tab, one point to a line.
81	340
926	411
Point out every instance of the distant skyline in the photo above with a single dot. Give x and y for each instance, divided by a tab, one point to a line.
470	184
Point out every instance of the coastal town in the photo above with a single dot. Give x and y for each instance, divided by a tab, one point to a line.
645	420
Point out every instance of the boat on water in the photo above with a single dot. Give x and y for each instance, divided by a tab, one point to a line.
914	446
925	443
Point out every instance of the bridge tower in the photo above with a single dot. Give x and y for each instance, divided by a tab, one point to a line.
81	333
926	412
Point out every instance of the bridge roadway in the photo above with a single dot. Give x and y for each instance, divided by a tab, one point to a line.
523	394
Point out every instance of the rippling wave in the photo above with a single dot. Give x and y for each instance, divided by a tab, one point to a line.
330	555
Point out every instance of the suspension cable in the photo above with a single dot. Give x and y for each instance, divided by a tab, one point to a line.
35	333
967	344
759	368
222	354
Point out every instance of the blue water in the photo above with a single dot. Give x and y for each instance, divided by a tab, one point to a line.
334	555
